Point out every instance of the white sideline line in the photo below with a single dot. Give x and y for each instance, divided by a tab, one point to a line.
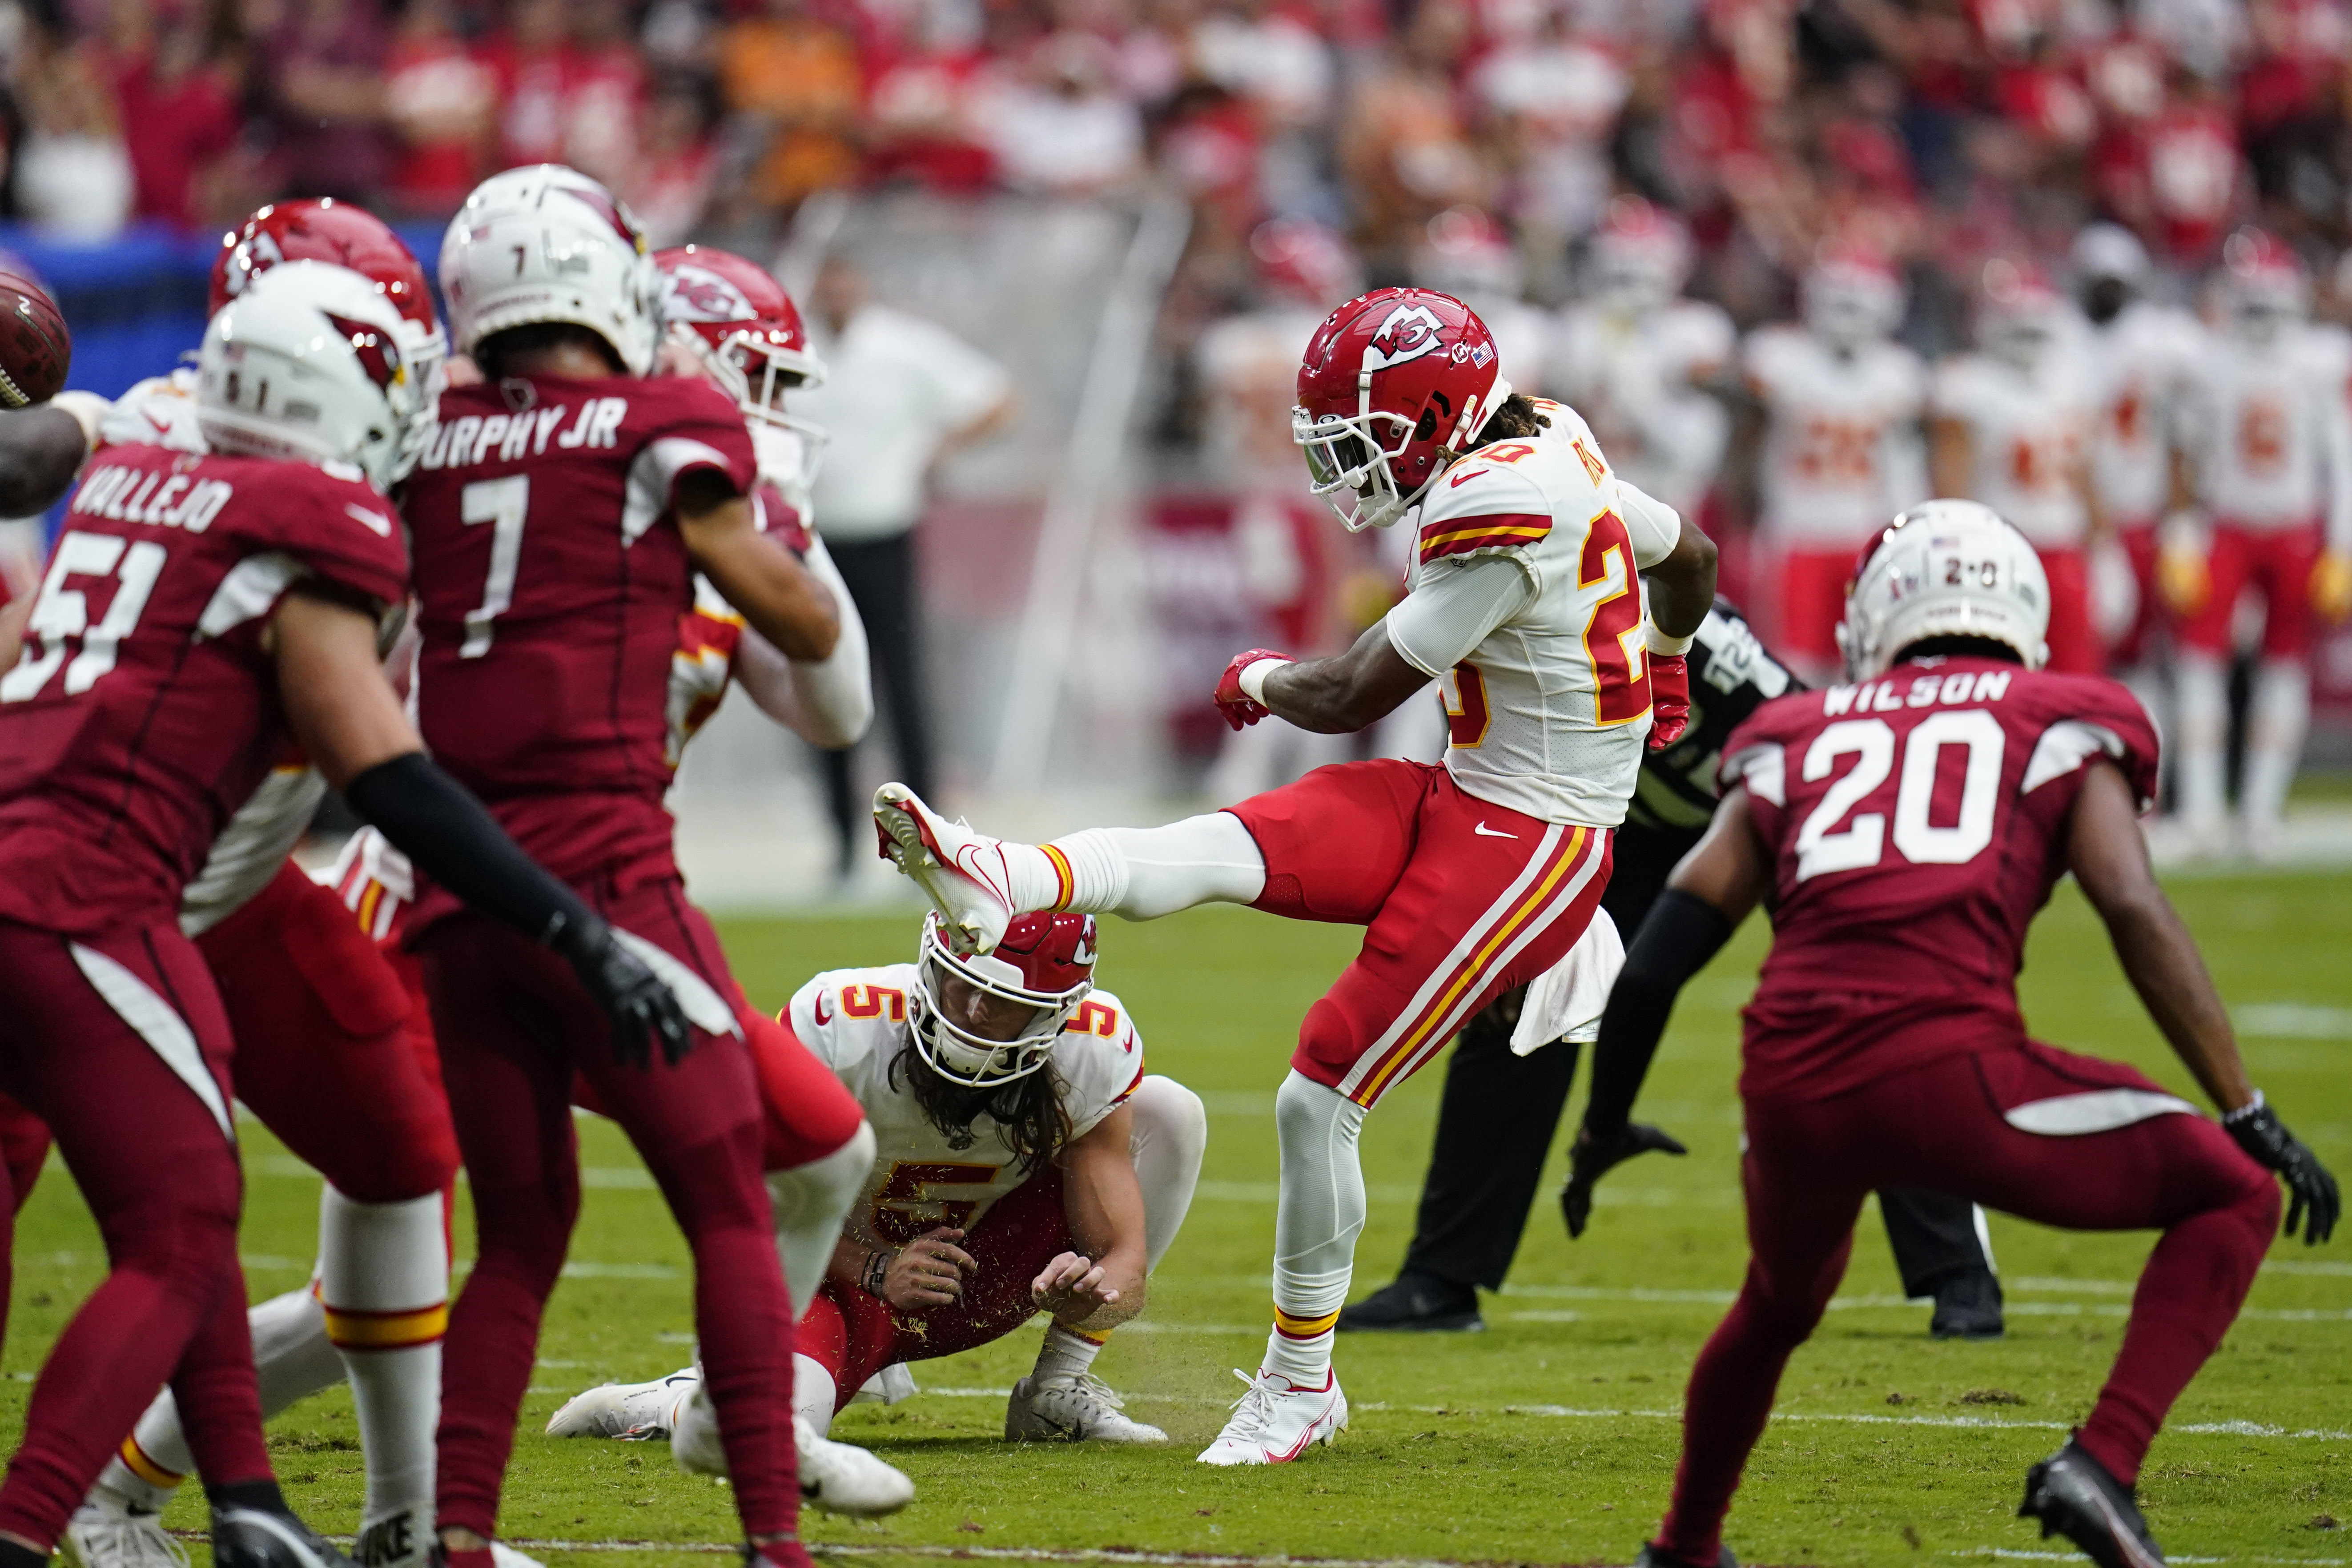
1572	1412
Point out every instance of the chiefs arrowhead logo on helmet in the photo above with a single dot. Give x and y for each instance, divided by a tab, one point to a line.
1410	331
698	294
378	354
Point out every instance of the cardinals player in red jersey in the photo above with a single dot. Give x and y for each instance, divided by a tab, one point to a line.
196	612
1903	828
1525	603
559	515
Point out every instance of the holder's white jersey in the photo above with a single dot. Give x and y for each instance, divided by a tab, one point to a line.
2142	360
856	1020
1634	378
2028	436
1524	601
1842	450
2268	432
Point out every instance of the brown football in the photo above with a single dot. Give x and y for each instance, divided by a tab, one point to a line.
35	347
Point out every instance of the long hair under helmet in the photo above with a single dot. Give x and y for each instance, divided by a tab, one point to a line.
1045	961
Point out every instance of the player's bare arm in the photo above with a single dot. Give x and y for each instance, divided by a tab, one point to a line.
783	600
1340	695
41	449
1682	587
343	711
1103	1285
1951	454
1718	882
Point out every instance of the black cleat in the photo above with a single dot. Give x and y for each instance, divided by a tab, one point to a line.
244	1537
1416	1303
1653	1556
2073	1495
1968	1306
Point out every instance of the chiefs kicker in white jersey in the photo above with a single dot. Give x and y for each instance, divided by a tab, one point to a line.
855	1022
1549	712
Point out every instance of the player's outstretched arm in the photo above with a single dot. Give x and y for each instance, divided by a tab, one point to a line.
41	449
1103	1203
1708	895
350	723
1334	696
753	573
1682	587
2108	857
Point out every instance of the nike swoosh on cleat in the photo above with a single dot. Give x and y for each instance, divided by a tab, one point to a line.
1482	831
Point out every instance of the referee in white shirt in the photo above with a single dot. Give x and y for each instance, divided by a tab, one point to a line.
899	393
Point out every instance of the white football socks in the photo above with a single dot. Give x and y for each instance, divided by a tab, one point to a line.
1068	1353
813	1392
383	1289
2275	727
1143	873
1171	1136
809	1203
1316	1225
2204	688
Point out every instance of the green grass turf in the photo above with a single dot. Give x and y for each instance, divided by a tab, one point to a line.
1545	1439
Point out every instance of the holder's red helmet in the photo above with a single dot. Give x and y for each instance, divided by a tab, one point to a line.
1395	384
745	322
1045	961
346	236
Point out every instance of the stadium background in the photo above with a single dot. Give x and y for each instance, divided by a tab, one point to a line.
1091	190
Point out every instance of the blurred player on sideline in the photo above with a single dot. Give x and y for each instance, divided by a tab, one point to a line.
1026	1163
558	515
1841	449
230	624
1633	358
1526	600
2142	356
2268	440
1904	828
2011	425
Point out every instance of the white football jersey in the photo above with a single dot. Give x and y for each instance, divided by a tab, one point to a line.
160	411
2268	432
1841	448
1634	378
1547	712
2142	362
855	1022
2028	433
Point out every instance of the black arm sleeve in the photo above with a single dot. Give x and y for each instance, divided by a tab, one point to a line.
1679	934
436	822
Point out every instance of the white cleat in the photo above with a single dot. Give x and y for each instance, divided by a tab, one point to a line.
842	1477
108	1530
1277	1420
401	1539
962	872
1080	1409
636	1411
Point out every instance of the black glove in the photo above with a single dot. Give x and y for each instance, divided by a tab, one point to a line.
1588	1161
631	995
2263	1136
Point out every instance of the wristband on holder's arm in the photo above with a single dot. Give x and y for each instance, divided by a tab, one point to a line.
1678	936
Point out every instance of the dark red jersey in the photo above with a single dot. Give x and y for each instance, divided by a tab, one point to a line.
1916	822
143	709
550	575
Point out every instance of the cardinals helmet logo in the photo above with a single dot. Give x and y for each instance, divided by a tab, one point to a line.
1410	331
378	354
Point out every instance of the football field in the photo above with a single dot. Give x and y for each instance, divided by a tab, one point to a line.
1549	1438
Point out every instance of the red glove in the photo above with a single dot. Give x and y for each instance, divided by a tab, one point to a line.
1669	699
1238	708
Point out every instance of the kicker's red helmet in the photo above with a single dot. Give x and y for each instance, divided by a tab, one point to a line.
1395	384
1045	962
745	323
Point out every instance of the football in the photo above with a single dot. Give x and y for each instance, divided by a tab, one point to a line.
35	347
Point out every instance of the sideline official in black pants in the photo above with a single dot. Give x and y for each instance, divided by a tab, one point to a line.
1495	1123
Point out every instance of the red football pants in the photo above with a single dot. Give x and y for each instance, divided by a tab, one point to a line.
1939	1128
854	1335
514	1026
2141	548
324	1056
1798	596
2073	640
2278	562
118	1045
1461	900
